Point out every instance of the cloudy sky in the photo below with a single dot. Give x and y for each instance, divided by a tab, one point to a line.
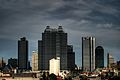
79	18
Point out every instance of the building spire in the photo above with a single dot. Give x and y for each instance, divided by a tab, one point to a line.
2	61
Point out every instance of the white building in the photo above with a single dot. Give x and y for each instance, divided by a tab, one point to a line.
54	66
35	61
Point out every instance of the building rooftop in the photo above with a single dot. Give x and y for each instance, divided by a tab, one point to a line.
48	29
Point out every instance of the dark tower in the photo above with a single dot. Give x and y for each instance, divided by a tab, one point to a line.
52	45
22	54
99	57
70	58
12	62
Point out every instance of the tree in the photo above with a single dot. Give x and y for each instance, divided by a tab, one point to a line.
52	77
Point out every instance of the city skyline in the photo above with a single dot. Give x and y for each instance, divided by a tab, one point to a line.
79	18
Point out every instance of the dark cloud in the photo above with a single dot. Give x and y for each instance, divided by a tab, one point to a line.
8	48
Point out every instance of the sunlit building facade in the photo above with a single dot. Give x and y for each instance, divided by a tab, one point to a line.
35	61
110	60
54	66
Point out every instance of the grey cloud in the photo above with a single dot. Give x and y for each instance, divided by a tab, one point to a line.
8	48
30	4
87	10
109	26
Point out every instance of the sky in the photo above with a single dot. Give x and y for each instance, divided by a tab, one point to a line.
79	18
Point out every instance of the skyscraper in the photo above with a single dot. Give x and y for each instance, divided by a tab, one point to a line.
99	57
52	45
35	61
13	62
70	58
22	53
110	60
88	53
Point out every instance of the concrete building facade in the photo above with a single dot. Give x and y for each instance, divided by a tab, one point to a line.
35	61
54	66
110	60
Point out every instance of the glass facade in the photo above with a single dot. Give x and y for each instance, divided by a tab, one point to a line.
52	45
88	53
23	53
99	57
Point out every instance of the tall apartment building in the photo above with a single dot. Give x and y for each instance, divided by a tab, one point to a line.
52	45
23	54
88	53
35	61
110	60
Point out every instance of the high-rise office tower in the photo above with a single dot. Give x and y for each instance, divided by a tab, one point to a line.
35	61
13	62
22	53
99	57
52	45
88	53
70	58
110	60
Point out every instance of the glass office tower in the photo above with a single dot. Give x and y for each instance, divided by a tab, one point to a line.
52	45
88	53
23	54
